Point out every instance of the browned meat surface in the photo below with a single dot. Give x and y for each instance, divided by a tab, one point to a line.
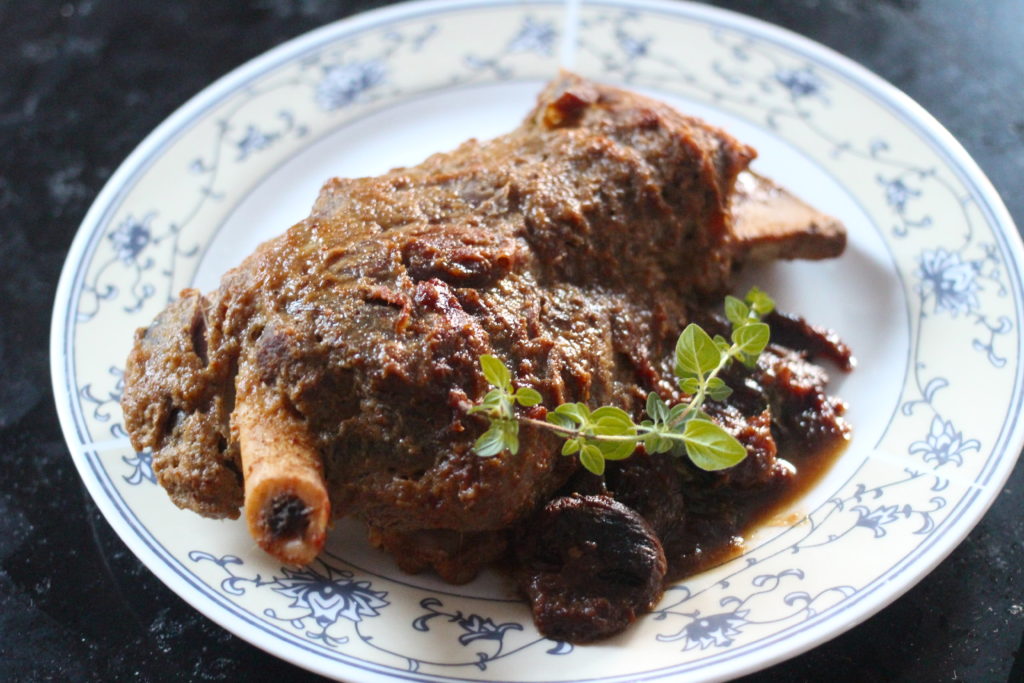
575	249
178	401
796	333
769	223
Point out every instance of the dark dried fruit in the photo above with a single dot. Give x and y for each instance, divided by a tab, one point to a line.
590	566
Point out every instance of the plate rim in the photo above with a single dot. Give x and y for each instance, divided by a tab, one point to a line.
909	112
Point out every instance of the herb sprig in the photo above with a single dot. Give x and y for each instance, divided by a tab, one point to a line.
609	433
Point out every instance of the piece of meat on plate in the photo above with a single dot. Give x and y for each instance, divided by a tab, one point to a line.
330	373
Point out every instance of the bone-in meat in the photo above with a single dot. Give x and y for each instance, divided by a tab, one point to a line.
574	248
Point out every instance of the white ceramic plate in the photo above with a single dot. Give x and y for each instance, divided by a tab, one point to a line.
928	295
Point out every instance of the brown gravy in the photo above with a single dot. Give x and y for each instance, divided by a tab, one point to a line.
719	522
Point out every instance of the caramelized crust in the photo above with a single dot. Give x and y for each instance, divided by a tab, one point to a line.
573	248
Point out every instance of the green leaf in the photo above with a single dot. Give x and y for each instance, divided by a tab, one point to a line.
527	396
611	415
510	435
496	372
560	419
571	446
591	459
676	412
760	302
616	450
723	344
491	403
656	408
717	389
490	442
710	447
577	412
696	352
611	421
737	312
613	450
751	338
495	405
690	385
655	443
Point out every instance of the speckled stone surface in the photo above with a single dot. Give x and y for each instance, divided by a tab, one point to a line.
81	83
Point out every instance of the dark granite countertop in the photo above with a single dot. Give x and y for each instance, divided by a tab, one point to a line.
83	82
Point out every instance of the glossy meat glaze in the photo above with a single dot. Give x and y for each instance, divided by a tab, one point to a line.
575	249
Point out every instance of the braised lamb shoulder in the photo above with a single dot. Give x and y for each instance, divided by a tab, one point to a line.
575	249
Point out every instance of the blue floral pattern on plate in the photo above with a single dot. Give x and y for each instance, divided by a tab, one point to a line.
934	467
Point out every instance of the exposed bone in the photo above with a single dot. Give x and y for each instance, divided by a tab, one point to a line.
286	503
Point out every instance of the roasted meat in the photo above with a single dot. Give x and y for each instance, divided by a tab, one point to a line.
770	222
345	351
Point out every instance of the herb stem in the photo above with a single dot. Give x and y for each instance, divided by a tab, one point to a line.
574	433
571	433
697	399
